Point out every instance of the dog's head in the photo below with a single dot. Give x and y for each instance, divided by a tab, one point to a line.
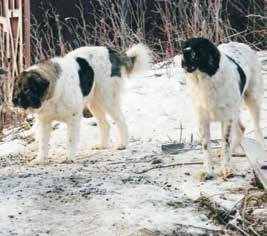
29	90
200	54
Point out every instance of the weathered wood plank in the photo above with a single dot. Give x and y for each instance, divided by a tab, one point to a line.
257	157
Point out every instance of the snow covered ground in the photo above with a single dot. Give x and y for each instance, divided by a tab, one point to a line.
109	192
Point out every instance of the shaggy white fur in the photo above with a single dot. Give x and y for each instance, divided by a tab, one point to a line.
218	98
67	102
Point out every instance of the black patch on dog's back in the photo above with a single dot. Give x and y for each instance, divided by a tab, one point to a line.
243	78
86	76
116	62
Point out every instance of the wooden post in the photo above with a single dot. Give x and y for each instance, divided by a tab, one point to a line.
14	53
27	33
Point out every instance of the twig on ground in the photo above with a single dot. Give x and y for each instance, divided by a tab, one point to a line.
129	162
170	165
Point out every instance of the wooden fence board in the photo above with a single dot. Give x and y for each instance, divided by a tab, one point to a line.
257	157
14	48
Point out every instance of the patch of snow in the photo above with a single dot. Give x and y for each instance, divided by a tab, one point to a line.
11	148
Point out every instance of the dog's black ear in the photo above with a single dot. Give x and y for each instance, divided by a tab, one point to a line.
38	83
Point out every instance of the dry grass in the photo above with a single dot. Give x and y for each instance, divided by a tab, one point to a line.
248	217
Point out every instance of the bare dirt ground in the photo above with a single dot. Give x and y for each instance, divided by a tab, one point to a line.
114	192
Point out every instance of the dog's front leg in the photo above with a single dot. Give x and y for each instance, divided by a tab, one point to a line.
73	137
43	135
204	131
226	149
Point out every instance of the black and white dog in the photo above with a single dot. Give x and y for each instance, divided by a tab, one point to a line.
219	79
60	88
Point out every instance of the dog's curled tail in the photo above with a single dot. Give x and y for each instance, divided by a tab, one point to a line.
139	59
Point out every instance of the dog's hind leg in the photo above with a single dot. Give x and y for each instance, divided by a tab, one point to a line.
112	105
110	101
118	117
238	132
253	98
100	115
254	105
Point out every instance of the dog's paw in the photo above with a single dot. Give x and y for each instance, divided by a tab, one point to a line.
204	176
226	173
37	161
121	146
98	147
67	161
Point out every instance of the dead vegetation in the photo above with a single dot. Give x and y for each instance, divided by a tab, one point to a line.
162	25
248	216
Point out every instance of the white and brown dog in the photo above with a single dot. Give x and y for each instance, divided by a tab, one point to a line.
60	88
219	79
